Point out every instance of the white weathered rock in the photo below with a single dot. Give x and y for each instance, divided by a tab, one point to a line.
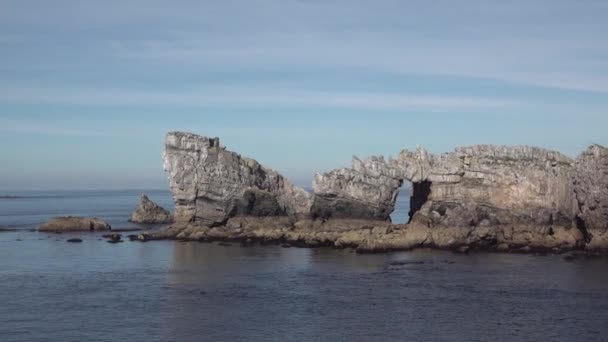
591	191
211	184
482	195
361	192
496	185
478	185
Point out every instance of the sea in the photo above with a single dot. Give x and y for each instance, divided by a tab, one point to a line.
52	290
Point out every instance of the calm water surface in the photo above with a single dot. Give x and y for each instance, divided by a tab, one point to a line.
51	290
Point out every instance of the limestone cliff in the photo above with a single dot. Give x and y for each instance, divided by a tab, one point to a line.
365	191
211	184
591	191
487	185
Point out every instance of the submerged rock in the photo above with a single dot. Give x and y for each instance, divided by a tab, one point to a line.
74	240
211	184
113	238
150	212
73	223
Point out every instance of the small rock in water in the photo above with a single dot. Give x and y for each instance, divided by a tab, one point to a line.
150	212
113	238
74	240
286	245
225	244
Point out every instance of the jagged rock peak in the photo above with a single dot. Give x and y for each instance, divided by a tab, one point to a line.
190	141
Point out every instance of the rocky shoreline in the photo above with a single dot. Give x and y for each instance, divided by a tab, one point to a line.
367	236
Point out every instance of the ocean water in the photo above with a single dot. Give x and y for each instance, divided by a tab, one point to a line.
51	290
29	209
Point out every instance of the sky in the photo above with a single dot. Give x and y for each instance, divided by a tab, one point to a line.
88	89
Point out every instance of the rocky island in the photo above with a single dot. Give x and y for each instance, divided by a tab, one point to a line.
486	197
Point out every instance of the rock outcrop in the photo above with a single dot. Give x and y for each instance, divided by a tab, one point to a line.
479	185
488	185
211	184
73	224
484	196
369	236
361	192
591	191
148	212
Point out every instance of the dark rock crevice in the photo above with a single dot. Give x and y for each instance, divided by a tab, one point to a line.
420	195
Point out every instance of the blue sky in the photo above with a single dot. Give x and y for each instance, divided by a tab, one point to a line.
88	89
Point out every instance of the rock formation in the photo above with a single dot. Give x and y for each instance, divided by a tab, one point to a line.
487	185
150	212
482	196
360	192
591	191
211	184
478	185
72	224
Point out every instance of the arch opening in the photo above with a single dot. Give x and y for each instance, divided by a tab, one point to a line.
419	196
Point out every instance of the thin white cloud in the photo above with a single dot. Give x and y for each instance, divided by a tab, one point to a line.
558	63
255	97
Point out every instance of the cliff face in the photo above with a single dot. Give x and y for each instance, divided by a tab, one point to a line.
487	185
211	184
365	191
591	191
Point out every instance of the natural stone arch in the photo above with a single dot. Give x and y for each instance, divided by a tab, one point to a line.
369	189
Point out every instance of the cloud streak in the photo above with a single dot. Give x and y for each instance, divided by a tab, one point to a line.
253	98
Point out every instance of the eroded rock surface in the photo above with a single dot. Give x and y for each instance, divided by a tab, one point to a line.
372	236
487	185
150	212
361	192
74	223
501	198
591	191
479	185
211	184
